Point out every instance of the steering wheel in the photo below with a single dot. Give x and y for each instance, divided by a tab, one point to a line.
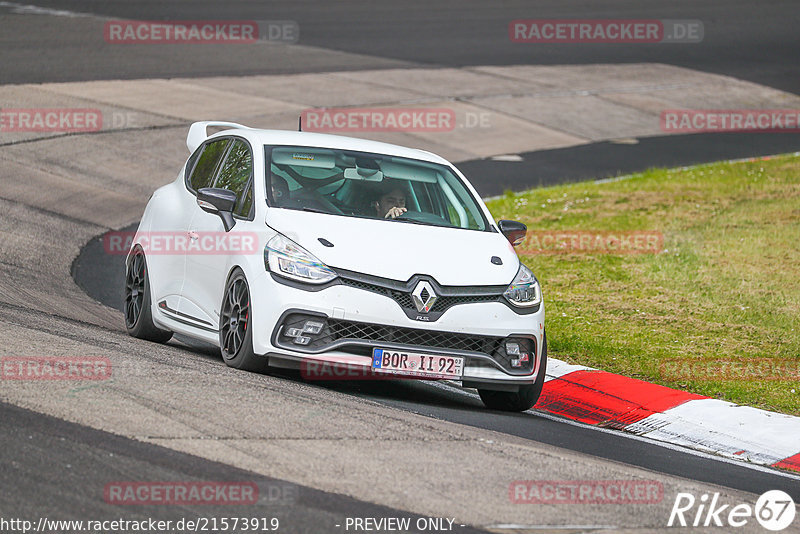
309	196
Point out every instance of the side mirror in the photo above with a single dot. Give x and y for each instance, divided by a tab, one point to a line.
219	202
513	230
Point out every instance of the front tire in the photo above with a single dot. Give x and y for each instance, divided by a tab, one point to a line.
525	398
235	326
138	311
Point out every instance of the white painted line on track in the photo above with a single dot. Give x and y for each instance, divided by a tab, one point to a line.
678	448
726	428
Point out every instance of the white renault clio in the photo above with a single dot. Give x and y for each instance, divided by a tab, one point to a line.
293	249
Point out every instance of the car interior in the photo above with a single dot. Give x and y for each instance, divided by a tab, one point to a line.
348	183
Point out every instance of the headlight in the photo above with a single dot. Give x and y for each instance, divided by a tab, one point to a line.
524	291
286	258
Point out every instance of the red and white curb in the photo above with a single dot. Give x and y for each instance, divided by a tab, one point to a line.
604	399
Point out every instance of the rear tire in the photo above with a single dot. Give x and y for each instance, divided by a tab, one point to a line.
525	398
235	331
138	312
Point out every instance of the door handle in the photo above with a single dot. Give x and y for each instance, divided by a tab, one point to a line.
193	235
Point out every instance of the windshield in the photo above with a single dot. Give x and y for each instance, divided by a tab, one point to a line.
361	184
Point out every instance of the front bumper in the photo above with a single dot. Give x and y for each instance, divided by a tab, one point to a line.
358	320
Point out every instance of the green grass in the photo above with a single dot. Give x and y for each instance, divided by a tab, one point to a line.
726	287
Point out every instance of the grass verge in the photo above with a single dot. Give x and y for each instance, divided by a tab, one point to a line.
715	312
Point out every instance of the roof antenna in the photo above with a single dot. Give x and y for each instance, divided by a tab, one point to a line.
300	123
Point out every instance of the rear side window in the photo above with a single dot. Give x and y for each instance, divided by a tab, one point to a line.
235	175
207	163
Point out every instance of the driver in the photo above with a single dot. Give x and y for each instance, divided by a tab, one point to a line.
391	204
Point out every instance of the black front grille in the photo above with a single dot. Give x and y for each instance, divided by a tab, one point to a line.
359	338
365	286
404	300
442	303
340	330
409	336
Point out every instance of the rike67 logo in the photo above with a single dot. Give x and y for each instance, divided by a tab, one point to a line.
774	510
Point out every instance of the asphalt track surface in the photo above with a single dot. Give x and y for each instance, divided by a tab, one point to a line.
84	461
608	159
756	41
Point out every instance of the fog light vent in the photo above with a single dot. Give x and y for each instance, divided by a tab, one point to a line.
305	331
517	353
301	340
312	327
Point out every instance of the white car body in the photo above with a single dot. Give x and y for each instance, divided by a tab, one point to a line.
186	290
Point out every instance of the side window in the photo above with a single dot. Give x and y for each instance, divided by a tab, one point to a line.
207	163
235	176
190	164
423	196
246	204
452	214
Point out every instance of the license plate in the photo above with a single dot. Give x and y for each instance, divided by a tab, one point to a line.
400	362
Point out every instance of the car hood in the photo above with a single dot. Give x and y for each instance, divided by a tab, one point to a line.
396	250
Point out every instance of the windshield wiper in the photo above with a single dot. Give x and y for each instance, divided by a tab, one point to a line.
315	210
412	221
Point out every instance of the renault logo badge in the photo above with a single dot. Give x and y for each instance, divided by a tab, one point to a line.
424	297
